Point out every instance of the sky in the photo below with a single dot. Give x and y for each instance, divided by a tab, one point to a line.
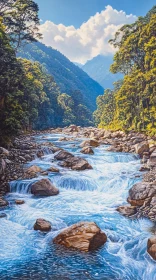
80	29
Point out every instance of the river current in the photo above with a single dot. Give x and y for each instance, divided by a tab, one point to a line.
90	195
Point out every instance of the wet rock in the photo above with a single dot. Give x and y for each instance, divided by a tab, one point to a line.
151	247
42	225
62	139
3	202
3	215
141	191
87	150
44	188
19	201
83	236
53	169
91	142
40	153
144	168
127	210
62	155
33	169
141	148
76	163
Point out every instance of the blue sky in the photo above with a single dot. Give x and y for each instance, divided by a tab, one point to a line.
81	29
75	12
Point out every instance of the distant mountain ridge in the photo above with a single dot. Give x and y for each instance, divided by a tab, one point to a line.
67	75
98	69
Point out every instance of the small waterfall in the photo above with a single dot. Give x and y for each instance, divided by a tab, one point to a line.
23	187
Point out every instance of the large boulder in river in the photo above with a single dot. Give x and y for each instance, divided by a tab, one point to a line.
44	188
151	247
141	191
76	163
142	147
91	142
87	150
62	155
42	225
83	236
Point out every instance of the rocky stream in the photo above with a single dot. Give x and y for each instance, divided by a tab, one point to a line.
78	203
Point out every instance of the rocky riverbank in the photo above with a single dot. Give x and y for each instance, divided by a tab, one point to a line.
142	196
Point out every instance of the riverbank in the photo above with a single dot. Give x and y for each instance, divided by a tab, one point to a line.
142	196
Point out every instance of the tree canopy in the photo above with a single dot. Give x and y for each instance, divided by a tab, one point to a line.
135	98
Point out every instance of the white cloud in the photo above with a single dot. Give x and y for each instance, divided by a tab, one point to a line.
90	39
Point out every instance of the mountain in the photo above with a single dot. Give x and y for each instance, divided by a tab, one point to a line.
98	69
78	64
67	75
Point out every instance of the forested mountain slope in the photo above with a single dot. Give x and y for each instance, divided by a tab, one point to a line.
98	69
67	75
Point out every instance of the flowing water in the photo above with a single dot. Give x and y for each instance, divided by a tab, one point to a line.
91	195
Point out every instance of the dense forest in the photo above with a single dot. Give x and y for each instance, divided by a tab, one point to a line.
29	96
132	102
67	75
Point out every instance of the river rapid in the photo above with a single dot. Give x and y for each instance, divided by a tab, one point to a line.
90	195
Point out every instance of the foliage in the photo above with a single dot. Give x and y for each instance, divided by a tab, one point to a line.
135	98
67	75
21	20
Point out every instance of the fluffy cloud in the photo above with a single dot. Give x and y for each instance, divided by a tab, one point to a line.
90	39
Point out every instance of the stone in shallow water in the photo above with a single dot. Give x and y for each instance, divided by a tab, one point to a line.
151	247
91	142
3	215
42	225
44	188
127	210
87	150
62	155
83	236
19	201
76	163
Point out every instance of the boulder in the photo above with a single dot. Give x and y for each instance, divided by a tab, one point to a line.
3	215
33	169
19	201
139	192
73	128
151	247
76	163
42	225
44	188
53	169
3	202
87	150
62	155
141	148
91	142
127	210
83	236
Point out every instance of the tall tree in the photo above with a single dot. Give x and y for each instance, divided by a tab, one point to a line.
21	20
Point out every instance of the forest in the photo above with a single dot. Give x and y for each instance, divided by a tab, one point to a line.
30	98
132	102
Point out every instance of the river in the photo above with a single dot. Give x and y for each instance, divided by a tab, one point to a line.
90	195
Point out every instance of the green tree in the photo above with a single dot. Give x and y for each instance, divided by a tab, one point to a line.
21	20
